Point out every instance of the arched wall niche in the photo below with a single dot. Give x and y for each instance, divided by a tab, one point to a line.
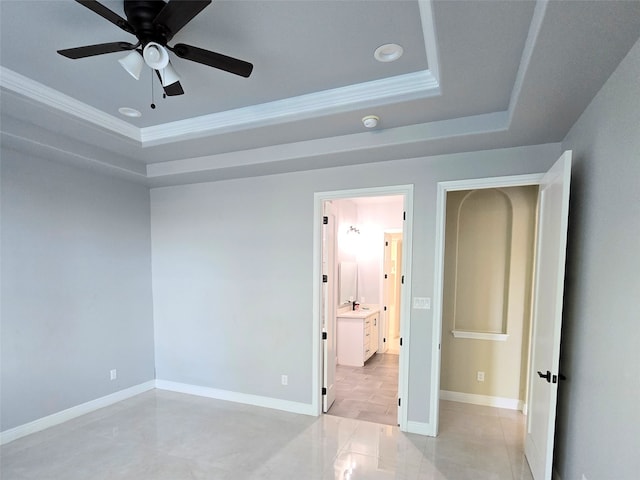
502	357
482	262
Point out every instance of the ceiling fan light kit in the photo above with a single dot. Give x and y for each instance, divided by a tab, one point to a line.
154	23
168	75
133	64
155	56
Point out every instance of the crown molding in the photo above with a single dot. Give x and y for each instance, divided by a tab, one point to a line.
535	28
409	86
429	34
33	90
460	128
401	87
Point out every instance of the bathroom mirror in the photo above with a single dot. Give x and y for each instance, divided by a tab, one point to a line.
348	282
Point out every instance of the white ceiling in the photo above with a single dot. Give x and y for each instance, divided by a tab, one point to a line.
474	75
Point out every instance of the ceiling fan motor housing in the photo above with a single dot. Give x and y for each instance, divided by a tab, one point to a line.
141	14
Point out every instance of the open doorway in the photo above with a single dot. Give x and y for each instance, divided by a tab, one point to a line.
367	307
546	323
439	327
368	381
486	302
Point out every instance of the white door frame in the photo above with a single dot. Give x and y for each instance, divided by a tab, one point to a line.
405	297
441	206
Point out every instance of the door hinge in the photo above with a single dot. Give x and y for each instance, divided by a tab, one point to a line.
404	215
384	339
324	335
386	244
546	376
403	279
324	390
399	402
325	278
555	378
385	308
385	276
325	220
400	341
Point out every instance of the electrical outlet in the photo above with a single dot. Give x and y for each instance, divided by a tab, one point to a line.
285	380
113	374
480	376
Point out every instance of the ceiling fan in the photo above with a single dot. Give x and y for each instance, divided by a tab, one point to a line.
154	23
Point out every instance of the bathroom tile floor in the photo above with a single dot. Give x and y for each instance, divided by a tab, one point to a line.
164	435
370	392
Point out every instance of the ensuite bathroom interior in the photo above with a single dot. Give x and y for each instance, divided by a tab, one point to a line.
368	257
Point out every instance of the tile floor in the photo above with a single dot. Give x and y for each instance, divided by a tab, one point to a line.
164	435
370	392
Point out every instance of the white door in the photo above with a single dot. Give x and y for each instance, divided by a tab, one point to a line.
329	289
553	212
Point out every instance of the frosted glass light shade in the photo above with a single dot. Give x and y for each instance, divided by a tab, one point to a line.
133	64
155	56
168	75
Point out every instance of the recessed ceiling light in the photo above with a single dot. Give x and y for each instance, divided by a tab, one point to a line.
129	112
370	121
388	52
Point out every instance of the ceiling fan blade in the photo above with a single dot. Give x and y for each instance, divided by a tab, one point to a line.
104	12
177	13
213	59
100	49
171	90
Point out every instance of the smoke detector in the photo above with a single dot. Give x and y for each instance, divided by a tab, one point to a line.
370	121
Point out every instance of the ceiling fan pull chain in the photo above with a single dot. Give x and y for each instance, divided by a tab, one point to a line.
153	105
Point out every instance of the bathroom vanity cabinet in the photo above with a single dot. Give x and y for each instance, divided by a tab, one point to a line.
357	336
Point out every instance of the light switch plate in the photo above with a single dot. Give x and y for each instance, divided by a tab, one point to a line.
421	303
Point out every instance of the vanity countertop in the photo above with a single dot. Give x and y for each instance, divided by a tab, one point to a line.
356	313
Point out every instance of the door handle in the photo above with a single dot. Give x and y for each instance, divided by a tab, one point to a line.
545	375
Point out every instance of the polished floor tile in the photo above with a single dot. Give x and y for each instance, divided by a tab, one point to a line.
370	392
163	435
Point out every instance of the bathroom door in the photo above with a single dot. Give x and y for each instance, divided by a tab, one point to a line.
391	291
553	213
329	300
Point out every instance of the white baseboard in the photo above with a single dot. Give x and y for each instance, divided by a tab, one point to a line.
73	412
245	398
486	400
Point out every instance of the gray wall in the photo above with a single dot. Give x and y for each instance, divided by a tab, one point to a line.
233	263
598	414
76	290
